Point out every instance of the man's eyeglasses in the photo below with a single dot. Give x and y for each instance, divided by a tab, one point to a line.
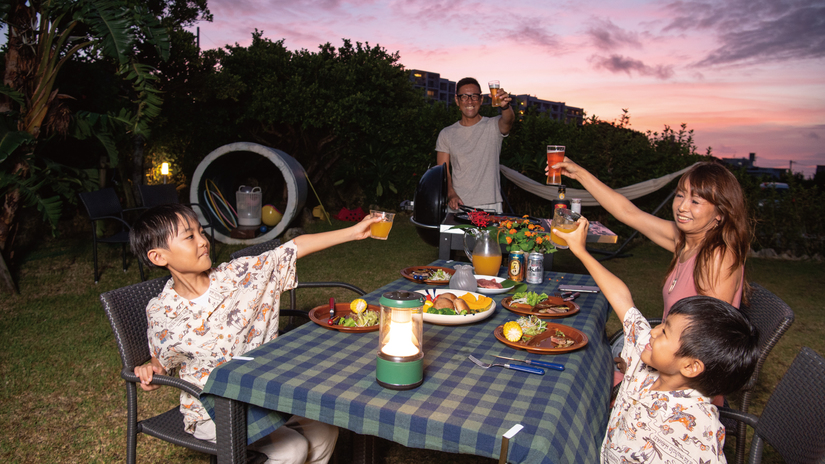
469	96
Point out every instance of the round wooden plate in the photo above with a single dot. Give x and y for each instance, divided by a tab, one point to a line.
541	344
407	274
320	316
574	308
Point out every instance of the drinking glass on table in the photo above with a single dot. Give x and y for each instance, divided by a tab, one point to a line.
565	221
555	154
381	230
494	88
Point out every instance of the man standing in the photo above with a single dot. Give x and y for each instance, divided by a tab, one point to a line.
472	146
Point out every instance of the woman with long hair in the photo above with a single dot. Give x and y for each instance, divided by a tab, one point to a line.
709	234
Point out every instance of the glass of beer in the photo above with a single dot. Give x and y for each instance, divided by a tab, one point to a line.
555	154
494	86
564	221
381	230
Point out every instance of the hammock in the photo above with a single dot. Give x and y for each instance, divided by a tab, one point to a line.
551	192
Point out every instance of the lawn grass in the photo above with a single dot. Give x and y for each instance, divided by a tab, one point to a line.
62	400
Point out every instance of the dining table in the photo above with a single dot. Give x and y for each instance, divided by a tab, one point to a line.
329	376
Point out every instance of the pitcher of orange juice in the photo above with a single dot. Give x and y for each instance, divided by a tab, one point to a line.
486	254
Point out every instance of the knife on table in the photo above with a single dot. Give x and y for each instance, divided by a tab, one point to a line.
546	364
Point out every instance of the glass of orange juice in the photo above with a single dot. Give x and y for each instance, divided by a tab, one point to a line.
564	220
555	154
381	230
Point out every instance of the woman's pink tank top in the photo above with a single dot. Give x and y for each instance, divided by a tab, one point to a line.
680	284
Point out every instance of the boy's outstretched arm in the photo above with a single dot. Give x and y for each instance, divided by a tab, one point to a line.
616	292
310	243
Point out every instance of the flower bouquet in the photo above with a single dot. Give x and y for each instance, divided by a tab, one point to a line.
517	234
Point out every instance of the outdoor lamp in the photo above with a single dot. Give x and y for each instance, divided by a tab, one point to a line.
164	170
400	361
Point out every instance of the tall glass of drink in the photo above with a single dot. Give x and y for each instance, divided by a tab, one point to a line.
555	154
494	86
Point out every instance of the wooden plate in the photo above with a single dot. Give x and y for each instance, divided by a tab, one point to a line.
407	274
541	344
320	316
574	308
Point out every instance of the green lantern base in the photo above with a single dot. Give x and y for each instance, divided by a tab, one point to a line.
399	375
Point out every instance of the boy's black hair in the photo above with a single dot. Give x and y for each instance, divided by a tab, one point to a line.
465	81
155	227
722	338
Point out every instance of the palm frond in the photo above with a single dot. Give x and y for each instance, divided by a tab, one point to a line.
112	27
11	141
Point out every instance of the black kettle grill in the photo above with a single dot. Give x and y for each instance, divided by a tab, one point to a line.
430	204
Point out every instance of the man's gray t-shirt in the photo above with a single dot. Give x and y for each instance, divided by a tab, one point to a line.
474	158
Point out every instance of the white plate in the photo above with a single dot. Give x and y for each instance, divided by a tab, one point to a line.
494	291
442	319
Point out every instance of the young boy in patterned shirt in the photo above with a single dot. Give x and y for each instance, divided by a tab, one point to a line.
663	412
206	316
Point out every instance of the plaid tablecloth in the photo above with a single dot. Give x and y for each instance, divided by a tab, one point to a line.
329	376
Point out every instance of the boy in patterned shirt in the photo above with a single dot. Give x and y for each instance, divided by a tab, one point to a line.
663	412
206	316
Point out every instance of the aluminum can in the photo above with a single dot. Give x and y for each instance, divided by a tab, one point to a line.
576	205
535	268
516	265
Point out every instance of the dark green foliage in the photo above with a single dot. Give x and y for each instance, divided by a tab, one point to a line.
791	220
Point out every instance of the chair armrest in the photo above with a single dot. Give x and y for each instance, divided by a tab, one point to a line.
740	416
119	219
158	379
331	284
136	208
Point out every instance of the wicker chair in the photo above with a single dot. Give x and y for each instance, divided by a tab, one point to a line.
126	310
772	317
292	312
164	194
104	204
793	421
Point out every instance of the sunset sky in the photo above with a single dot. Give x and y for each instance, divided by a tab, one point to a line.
745	75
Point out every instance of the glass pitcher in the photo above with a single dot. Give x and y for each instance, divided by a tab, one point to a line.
486	254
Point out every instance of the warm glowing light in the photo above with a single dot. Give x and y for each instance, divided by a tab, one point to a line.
401	340
164	169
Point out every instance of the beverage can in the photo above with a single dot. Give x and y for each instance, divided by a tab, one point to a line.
535	268
576	205
515	266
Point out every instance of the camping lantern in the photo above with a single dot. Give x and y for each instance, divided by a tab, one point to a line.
400	361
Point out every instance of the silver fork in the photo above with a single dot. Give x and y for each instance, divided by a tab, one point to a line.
531	370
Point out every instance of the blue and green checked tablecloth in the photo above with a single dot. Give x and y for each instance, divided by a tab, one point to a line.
329	376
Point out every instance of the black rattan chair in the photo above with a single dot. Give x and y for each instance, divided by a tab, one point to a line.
793	421
126	310
292	312
772	317
101	205
164	194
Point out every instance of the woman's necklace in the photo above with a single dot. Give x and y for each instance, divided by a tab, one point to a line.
677	273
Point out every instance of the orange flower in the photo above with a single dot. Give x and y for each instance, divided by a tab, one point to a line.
509	240
512	231
531	226
527	234
526	215
538	240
